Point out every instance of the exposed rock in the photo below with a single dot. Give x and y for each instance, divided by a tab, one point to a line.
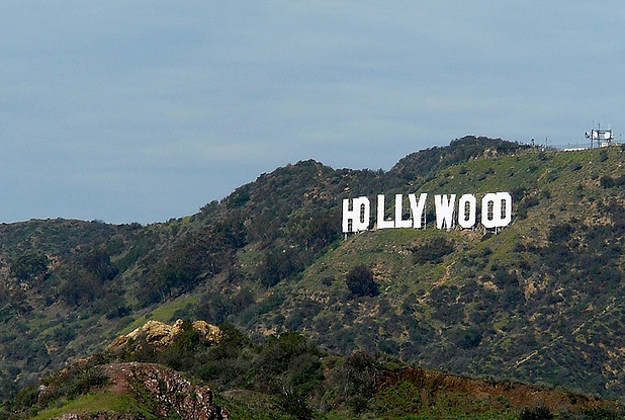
160	335
162	391
210	333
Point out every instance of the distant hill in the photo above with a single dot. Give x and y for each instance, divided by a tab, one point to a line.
539	302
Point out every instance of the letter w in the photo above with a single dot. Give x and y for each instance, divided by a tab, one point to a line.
445	210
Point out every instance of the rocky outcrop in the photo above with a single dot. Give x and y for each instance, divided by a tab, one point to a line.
160	335
160	390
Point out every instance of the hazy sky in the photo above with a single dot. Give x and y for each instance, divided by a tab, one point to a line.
146	110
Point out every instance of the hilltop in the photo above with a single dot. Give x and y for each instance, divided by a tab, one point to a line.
539	302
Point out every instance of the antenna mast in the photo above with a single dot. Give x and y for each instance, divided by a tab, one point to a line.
602	136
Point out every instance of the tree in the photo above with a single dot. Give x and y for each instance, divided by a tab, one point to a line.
356	380
360	281
30	265
98	262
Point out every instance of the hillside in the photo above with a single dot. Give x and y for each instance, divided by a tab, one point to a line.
539	302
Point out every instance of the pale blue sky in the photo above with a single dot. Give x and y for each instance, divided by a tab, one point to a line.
146	110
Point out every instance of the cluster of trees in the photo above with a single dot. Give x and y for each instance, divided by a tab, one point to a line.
30	265
84	279
425	163
198	254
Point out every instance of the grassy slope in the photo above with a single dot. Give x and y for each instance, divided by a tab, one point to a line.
102	402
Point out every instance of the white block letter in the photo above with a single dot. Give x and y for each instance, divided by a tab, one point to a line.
496	210
358	216
383	224
444	210
467	211
417	208
399	213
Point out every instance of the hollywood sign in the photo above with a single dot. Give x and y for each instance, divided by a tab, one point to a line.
496	212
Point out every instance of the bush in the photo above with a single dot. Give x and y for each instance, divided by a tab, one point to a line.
535	413
293	403
560	233
180	354
360	281
603	156
290	361
79	287
469	338
73	382
98	262
356	381
575	166
26	397
433	251
278	265
29	265
401	399
607	181
602	413
228	363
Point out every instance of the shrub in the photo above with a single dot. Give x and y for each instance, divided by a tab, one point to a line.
360	281
469	338
290	362
293	403
400	399
26	397
356	381
602	413
560	233
575	166
79	287
535	413
98	262
278	265
606	181
603	156
29	265
433	251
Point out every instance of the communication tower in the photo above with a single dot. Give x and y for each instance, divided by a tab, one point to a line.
601	136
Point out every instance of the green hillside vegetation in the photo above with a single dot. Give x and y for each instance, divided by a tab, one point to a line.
289	377
541	301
